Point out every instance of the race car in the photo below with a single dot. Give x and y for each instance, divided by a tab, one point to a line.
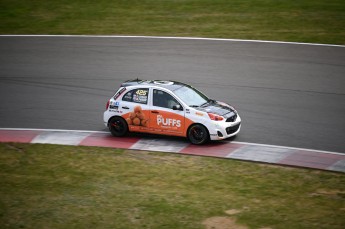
169	108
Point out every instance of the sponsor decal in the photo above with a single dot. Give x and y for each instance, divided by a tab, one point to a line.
169	122
199	114
113	107
137	117
139	98
116	111
119	93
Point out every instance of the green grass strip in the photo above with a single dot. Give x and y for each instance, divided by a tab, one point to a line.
50	186
315	21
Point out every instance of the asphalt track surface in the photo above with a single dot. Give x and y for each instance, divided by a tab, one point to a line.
287	94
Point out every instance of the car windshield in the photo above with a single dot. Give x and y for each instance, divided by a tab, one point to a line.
191	96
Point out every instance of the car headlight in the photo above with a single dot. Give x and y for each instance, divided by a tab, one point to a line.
215	117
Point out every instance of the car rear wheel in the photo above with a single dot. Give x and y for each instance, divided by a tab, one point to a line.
118	127
198	134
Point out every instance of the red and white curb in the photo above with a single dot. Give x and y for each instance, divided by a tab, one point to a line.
234	150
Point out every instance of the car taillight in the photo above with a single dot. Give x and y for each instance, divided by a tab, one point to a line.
107	106
215	117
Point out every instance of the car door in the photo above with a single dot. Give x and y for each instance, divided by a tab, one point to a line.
167	116
135	109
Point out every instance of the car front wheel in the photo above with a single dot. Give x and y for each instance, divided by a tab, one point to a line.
198	134
118	127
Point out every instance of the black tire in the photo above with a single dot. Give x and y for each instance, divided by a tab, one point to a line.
198	134
118	127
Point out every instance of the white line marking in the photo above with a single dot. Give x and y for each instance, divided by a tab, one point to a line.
338	166
244	143
267	154
61	138
178	38
159	145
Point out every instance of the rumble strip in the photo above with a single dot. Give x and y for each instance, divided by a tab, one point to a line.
307	158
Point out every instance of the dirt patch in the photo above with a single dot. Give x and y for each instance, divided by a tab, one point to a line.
221	222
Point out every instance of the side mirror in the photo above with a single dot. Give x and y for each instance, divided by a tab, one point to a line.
177	107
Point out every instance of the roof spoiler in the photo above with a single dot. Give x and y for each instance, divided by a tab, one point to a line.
132	82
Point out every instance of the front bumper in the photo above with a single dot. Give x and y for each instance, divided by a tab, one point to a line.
223	130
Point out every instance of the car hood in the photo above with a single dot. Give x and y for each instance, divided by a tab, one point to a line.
218	108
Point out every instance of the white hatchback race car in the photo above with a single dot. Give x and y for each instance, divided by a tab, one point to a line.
169	108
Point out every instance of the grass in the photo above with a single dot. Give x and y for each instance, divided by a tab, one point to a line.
317	21
50	186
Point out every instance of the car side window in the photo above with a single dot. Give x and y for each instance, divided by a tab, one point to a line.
163	99
140	95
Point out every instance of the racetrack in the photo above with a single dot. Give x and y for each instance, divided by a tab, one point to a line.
287	94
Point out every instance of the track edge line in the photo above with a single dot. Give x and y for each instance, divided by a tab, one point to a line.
175	38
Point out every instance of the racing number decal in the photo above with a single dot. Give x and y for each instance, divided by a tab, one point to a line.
141	92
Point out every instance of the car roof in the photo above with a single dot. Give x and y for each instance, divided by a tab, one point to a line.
170	85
